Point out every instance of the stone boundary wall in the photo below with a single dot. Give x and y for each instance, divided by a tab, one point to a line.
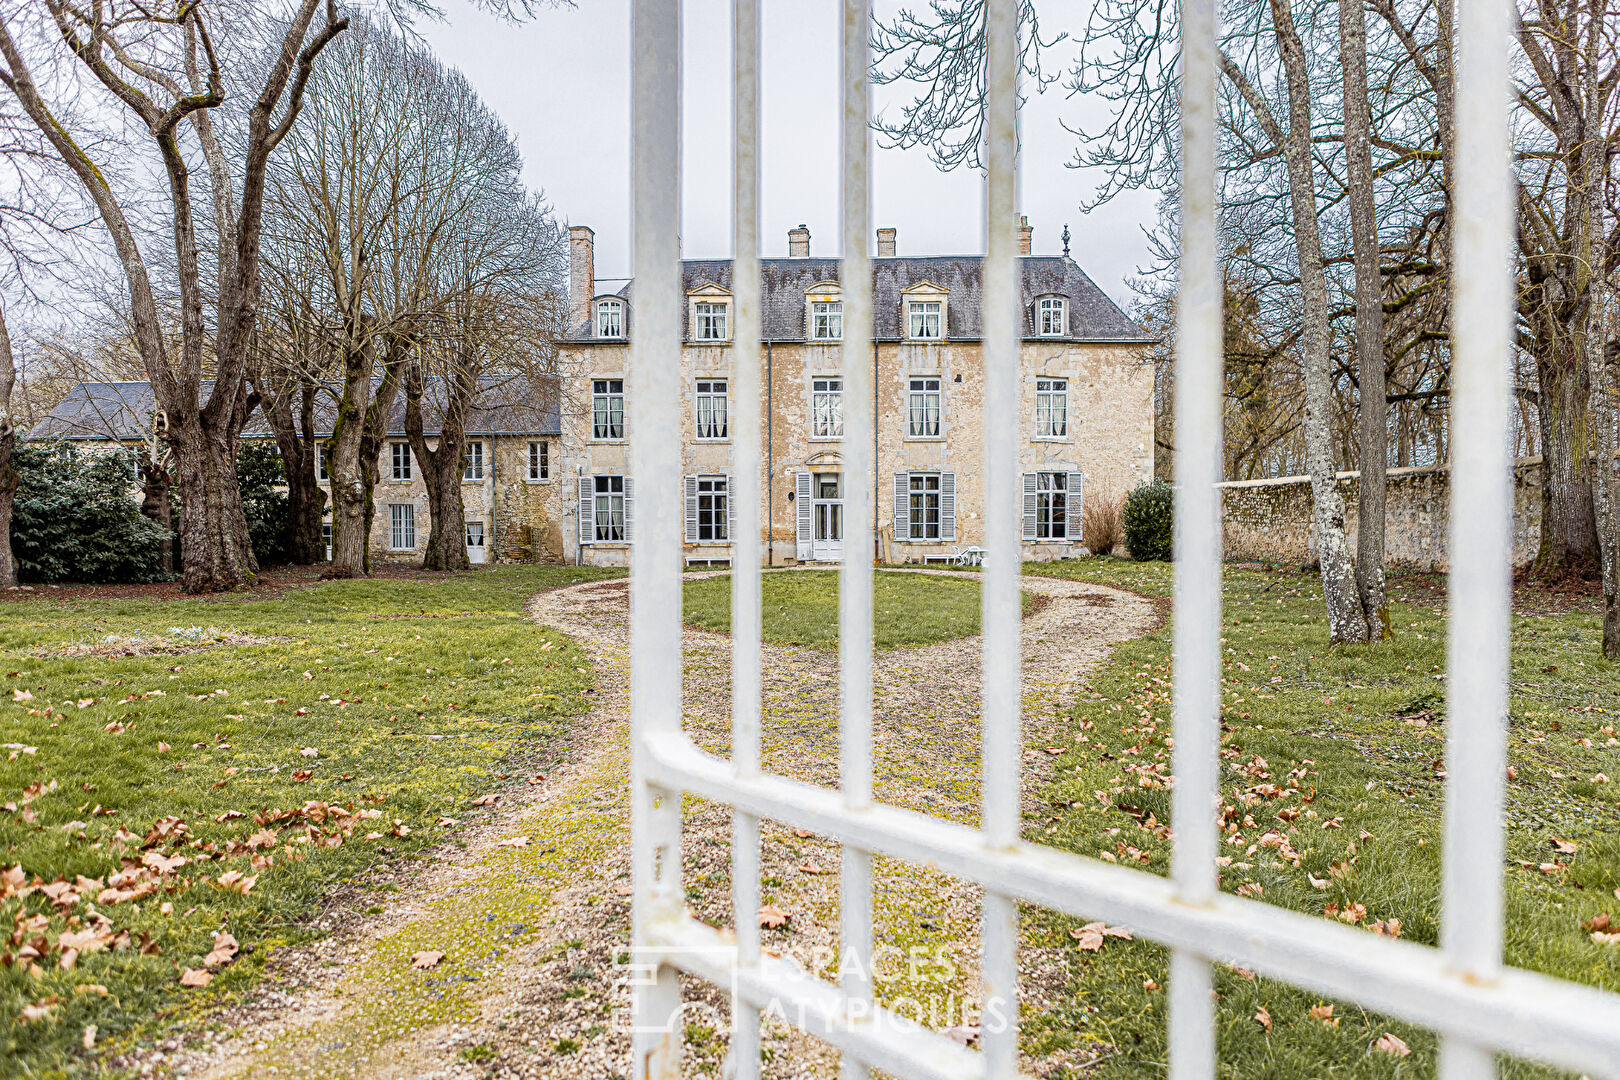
1270	520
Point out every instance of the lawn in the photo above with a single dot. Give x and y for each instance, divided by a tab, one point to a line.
800	607
1333	771
272	748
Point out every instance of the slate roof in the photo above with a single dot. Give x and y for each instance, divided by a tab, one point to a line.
123	410
1093	317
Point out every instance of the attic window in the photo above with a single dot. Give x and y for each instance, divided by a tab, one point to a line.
710	320
610	318
1052	317
924	320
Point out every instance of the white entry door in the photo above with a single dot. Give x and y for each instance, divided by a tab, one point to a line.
475	542
827	517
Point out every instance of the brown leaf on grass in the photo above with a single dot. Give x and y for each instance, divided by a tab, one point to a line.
515	841
1606	939
235	881
164	748
1324	1013
803	834
69	958
309	751
196	977
1564	847
302	775
1263	1018
486	800
264	838
772	917
426	958
810	868
1392	1044
223	952
1598	923
91	988
37	1012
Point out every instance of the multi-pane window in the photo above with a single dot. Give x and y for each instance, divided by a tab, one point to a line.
924	507
607	409
326	539
474	458
827	408
711	321
539	461
712	494
827	320
610	318
608	512
402	527
475	534
923	408
711	408
399	459
1051	319
320	463
924	319
1051	408
1051	506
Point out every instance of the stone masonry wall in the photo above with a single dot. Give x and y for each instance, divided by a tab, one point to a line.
1270	520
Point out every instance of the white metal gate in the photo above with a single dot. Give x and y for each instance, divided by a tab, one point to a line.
1461	989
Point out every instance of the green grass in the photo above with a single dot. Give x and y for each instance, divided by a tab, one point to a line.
800	607
446	686
1361	729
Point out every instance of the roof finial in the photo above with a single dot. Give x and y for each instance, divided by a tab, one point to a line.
1065	239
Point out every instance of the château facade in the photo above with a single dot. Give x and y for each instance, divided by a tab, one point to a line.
1087	414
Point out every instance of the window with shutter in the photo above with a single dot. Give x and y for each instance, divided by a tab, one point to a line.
587	510
902	506
1077	484
629	509
731	512
947	507
691	509
1029	506
802	518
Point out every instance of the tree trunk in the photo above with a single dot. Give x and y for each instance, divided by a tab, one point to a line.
441	471
1370	372
1568	521
217	554
155	504
306	502
350	523
1346	620
8	489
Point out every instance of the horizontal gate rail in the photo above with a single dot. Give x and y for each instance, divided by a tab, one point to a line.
1461	989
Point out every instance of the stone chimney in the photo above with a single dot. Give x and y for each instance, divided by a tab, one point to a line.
799	243
581	274
885	243
1026	234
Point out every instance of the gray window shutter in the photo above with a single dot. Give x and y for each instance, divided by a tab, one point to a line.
587	510
731	513
902	506
802	517
691	510
947	507
1029	506
1076	501
629	510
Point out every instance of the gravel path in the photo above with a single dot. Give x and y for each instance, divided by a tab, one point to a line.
531	914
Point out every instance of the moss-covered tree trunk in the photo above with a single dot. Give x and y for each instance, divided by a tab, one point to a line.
442	466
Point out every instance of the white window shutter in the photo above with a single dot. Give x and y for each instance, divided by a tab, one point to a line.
947	507
691	510
902	506
1076	502
1029	506
731	513
587	510
629	510
802	494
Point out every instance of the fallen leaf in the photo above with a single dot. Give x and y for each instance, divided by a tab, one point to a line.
223	952
1564	847
426	958
1597	923
485	800
88	1039
962	1034
36	1012
21	695
91	988
1324	1013
1263	1018
196	977
772	917
1392	1044
515	841
803	834
309	751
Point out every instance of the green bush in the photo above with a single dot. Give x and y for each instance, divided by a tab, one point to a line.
262	478
1149	510
77	517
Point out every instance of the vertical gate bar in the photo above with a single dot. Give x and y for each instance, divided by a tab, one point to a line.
655	581
855	579
745	491
1002	707
1481	513
1198	457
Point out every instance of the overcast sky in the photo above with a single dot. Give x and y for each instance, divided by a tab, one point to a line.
561	83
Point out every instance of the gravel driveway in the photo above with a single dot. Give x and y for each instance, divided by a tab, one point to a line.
532	912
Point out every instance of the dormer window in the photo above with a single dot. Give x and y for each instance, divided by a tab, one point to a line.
708	313
1052	316
610	318
924	319
824	311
